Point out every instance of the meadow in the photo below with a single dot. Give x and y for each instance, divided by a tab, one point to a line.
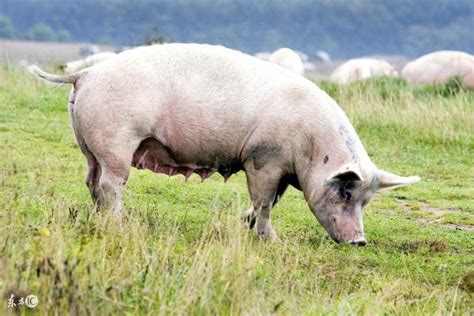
182	249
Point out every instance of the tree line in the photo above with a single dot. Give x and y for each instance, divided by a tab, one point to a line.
40	31
341	27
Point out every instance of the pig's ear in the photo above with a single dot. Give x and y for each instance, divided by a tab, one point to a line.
387	179
348	172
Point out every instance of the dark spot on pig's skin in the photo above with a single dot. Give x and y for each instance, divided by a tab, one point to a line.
308	148
326	159
350	143
343	189
261	154
345	195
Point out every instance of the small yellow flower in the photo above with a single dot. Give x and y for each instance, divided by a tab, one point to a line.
45	232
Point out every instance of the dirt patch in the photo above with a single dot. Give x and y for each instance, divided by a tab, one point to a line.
450	226
425	244
426	208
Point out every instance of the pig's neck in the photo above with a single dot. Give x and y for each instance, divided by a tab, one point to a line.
336	140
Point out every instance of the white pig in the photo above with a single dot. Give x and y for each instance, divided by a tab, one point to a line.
289	59
184	108
362	68
439	66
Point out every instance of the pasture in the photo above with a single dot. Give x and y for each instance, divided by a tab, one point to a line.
181	248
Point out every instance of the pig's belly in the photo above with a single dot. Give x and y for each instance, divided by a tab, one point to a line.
152	155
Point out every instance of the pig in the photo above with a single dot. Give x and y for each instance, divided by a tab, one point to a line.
440	66
263	55
362	68
191	108
76	65
288	59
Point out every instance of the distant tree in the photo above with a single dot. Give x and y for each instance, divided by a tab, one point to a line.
341	27
6	27
41	32
155	37
105	40
63	36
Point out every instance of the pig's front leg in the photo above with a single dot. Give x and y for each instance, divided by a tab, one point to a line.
263	185
249	217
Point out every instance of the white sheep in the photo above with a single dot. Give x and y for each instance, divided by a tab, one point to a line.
362	68
439	66
289	59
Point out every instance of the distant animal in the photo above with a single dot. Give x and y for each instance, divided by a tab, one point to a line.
289	59
440	66
263	55
304	58
323	56
190	108
362	68
89	50
77	65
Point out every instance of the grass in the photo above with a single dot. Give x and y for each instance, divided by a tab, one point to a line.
181	248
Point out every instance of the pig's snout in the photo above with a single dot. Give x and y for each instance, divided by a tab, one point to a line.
358	242
347	231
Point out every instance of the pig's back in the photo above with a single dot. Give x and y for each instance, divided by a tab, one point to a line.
194	99
204	77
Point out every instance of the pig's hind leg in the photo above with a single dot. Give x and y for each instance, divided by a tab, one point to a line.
94	170
107	173
114	163
93	176
109	151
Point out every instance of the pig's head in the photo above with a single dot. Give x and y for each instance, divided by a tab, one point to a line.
337	200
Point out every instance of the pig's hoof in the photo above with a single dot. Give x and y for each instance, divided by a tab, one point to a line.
268	234
249	218
117	216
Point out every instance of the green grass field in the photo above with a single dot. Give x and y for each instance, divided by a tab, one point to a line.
182	249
